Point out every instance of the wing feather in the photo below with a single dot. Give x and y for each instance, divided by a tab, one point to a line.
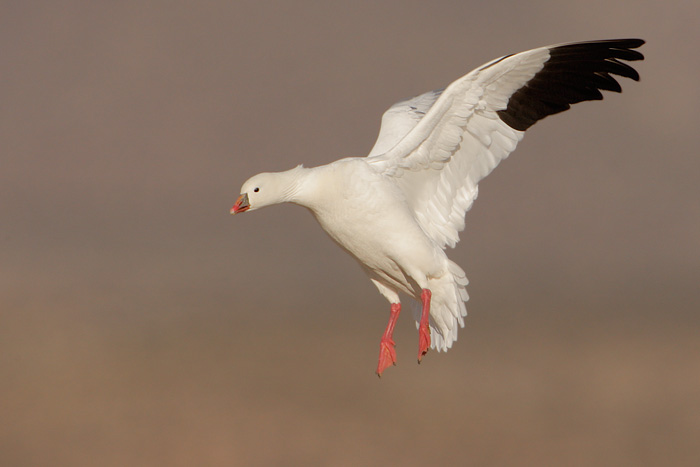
439	145
400	119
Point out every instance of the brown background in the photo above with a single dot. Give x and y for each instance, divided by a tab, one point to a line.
140	324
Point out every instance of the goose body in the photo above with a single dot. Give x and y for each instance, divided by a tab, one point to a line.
396	210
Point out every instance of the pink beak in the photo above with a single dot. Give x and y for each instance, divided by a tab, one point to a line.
241	205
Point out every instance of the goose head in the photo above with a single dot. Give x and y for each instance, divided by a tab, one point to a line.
266	189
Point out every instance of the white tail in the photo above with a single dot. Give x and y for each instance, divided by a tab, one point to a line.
447	309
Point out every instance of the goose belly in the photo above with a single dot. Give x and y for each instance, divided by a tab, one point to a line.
388	244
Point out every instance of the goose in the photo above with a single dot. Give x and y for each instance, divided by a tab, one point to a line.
397	209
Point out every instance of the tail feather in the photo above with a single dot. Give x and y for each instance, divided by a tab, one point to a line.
447	309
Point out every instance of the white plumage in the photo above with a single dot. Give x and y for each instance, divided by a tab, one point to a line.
398	208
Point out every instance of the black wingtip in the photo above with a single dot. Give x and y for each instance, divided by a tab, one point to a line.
573	73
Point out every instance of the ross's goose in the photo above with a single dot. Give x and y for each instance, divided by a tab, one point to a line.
397	209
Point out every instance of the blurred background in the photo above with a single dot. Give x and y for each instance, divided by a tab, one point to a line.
141	324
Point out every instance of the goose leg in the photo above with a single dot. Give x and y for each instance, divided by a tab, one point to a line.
387	353
424	328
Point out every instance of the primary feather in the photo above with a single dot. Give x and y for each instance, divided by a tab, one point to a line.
480	118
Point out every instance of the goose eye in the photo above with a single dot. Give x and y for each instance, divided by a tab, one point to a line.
256	189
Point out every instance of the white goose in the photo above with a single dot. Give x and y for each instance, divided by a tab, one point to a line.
397	209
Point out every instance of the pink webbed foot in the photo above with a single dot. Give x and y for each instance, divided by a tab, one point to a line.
423	327
387	353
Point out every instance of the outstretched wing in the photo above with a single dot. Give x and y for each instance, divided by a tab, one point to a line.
439	155
400	119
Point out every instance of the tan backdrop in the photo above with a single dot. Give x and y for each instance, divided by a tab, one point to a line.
140	324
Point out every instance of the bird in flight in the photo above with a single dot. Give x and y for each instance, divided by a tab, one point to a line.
397	209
